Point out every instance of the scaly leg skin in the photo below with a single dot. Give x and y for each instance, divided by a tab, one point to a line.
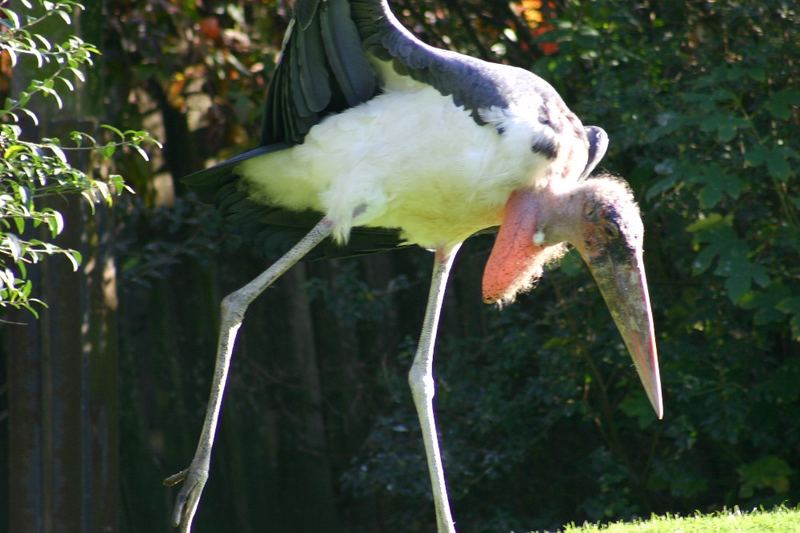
233	308
420	378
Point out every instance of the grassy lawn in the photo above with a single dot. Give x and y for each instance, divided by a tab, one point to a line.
781	520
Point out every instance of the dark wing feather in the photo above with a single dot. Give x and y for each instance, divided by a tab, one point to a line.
310	68
304	12
298	97
348	62
598	144
323	69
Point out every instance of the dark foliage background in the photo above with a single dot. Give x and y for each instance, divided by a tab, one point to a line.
542	418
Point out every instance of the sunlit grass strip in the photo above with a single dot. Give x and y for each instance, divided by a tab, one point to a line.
779	520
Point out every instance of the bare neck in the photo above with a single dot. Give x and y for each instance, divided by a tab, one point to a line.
560	212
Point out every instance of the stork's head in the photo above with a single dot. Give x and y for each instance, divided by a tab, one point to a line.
600	218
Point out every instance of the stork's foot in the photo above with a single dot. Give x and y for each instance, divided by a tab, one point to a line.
194	479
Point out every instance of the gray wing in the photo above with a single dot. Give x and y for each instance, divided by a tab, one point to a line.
323	69
598	144
475	84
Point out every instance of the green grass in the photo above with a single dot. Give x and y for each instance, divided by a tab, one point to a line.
779	520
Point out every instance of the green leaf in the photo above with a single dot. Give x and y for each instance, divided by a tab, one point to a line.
12	150
737	269
704	259
765	303
75	258
789	305
717	181
26	289
117	184
141	152
66	82
711	221
12	17
57	97
65	16
724	123
45	43
32	310
55	222
77	73
6	278
757	73
729	127
114	130
710	195
40	59
737	284
108	150
760	275
30	114
14	246
104	191
776	160
661	186
79	137
637	406
778	165
780	103
756	155
58	152
769	471
12	56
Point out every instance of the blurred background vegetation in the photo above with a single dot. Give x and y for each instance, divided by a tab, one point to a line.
542	418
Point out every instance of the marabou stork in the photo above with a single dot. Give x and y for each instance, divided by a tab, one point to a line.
376	139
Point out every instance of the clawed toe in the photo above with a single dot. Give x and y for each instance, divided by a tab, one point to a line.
193	479
174	479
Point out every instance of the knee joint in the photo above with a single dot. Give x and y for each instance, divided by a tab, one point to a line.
233	305
421	381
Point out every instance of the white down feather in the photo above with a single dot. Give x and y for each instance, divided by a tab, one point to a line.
407	159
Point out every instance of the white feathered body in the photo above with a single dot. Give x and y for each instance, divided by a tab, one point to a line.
408	159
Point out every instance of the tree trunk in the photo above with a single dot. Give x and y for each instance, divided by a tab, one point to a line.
305	465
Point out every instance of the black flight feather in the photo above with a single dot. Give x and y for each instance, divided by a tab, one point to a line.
344	52
312	71
304	12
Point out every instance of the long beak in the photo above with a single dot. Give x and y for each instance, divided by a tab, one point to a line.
622	282
516	261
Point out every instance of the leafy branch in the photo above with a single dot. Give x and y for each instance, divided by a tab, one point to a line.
34	170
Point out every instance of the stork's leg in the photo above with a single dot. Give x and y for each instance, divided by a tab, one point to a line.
420	377
232	312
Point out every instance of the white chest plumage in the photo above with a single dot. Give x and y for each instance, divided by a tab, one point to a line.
407	159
